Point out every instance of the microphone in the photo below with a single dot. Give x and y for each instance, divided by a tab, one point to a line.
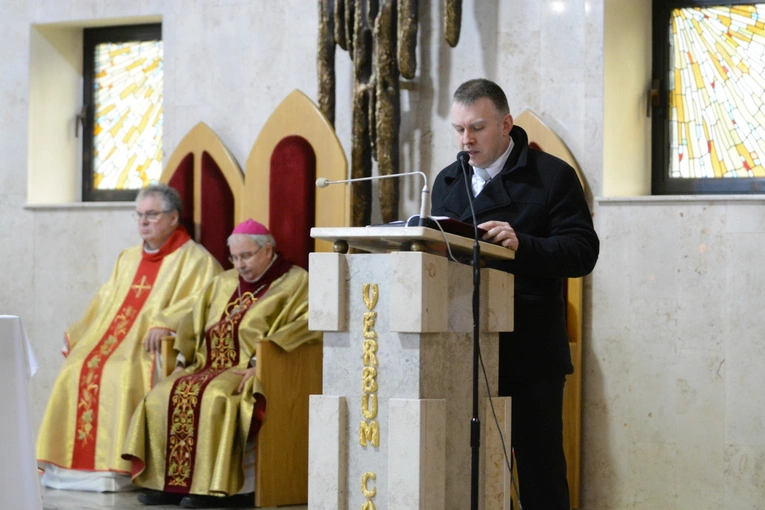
463	157
323	182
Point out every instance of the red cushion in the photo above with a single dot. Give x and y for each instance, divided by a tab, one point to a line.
217	211
292	199
183	182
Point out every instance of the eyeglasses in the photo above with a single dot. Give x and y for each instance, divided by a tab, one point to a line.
151	216
244	256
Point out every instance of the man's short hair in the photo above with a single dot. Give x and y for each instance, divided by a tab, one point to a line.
473	90
171	199
260	239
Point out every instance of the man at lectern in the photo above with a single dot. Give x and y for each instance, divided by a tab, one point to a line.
533	203
191	439
112	351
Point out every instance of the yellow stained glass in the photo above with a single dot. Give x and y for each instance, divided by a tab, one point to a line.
716	92
127	135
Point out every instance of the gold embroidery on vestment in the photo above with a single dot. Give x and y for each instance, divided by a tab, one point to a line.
89	383
186	396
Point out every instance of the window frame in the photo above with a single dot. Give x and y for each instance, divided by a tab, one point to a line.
661	182
91	38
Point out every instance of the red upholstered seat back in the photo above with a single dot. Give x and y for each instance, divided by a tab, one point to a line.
211	184
217	220
183	182
292	198
216	209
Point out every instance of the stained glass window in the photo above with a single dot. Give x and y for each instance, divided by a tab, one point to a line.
716	86
127	145
122	149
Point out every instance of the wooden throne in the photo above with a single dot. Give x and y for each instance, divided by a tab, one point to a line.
295	146
211	185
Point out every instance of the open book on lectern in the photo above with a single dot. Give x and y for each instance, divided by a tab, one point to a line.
449	225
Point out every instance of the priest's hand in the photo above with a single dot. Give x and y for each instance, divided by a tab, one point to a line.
500	232
247	374
178	368
153	341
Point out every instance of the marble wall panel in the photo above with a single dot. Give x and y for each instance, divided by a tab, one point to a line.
520	75
744	217
563	42
744	400
654	258
701	271
699	395
745	287
562	107
652	480
672	407
652	415
607	386
697	471
605	474
744	476
612	303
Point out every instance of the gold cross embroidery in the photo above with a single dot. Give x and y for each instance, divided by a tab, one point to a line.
141	286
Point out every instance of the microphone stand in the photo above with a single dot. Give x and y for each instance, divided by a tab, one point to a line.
475	422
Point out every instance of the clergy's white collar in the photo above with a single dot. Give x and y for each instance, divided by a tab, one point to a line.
497	166
149	250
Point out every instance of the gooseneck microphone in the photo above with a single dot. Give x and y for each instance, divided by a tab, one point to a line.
463	157
323	182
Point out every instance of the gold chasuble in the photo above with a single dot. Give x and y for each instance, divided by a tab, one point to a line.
107	371
189	433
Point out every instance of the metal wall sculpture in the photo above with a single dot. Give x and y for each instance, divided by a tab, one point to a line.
381	38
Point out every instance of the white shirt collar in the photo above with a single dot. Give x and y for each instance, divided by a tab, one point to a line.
479	174
497	166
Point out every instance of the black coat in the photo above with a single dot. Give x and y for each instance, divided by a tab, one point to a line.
540	196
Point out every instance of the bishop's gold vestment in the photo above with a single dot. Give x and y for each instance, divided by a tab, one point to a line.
189	433
107	371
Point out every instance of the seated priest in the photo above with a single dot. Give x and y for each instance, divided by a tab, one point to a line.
191	440
111	353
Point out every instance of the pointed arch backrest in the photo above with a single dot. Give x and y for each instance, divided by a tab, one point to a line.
211	186
296	145
543	138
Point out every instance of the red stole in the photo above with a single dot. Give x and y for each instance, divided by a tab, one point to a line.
84	454
222	342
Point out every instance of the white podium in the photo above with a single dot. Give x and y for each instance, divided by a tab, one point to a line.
392	428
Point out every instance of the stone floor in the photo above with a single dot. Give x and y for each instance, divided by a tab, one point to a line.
74	500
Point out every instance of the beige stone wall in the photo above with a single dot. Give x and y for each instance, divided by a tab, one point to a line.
673	410
673	414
